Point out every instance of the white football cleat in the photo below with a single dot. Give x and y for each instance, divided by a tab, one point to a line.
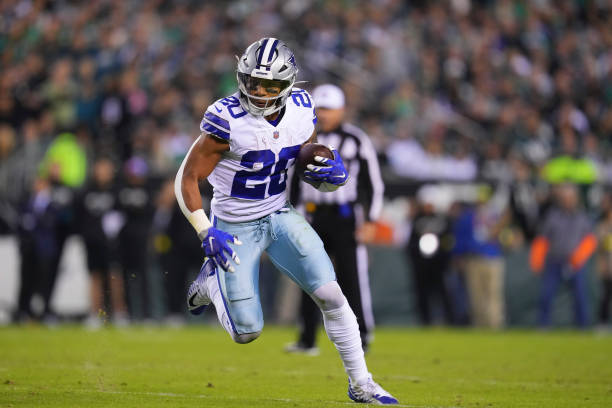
197	295
370	393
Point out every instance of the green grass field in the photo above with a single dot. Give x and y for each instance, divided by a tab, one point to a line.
199	366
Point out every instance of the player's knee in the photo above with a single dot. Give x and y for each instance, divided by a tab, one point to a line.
245	337
329	296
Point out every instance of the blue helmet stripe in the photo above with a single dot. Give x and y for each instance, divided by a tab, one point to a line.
261	52
217	120
271	54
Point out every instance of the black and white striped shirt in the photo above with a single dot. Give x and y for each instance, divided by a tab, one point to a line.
365	186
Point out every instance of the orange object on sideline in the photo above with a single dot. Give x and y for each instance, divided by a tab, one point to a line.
384	233
537	254
583	251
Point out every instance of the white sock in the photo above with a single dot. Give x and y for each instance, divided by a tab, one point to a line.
342	329
214	292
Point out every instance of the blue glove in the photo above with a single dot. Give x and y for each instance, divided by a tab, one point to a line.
332	171
215	246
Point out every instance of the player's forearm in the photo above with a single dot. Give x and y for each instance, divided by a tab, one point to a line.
313	138
189	198
190	201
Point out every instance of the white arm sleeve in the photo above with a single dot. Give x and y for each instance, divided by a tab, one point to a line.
197	218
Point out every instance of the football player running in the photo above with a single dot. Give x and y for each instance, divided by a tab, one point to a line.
248	142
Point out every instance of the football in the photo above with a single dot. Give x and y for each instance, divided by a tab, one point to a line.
307	154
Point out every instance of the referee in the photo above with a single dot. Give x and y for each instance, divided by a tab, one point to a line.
340	217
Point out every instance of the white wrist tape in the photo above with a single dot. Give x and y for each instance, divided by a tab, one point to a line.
199	221
197	218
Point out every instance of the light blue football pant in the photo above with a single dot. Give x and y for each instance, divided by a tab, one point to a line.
294	248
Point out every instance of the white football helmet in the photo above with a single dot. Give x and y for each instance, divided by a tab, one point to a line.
267	62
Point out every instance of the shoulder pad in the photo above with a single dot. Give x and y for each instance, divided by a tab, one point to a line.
215	122
302	99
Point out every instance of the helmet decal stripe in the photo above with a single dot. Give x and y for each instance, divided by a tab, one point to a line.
262	49
267	50
272	49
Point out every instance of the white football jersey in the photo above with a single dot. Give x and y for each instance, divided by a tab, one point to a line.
250	180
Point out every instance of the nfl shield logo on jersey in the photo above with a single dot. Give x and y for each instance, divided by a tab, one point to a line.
276	134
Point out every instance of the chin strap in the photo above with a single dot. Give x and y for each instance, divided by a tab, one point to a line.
253	109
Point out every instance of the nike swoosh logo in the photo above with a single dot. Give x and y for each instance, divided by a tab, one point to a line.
190	301
341	176
218	110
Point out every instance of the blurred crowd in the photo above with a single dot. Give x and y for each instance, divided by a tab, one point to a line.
100	100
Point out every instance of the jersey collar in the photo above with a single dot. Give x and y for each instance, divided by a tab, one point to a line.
280	116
